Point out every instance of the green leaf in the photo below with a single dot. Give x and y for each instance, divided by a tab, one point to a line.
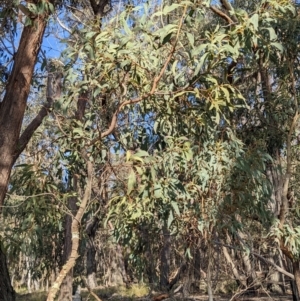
191	38
278	46
200	64
170	218
272	33
175	207
254	21
141	153
131	181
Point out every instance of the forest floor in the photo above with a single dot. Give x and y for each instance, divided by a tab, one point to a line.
41	296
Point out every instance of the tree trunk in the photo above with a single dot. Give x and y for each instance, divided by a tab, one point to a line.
66	288
91	264
165	259
240	278
74	234
7	292
15	99
296	281
276	278
11	116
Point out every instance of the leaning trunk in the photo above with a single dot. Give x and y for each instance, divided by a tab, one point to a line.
14	102
11	116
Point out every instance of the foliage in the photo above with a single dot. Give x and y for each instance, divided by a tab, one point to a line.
187	116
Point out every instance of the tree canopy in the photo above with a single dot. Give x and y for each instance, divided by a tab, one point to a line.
163	132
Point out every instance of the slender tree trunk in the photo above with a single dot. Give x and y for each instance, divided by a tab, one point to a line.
66	288
91	264
68	266
240	278
296	282
209	274
165	259
196	268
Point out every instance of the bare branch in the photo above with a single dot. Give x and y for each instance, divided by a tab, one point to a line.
278	268
63	25
221	14
227	6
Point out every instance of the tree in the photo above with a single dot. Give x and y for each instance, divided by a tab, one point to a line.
177	111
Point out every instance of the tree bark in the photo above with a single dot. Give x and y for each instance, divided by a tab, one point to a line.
65	293
11	116
75	235
91	264
165	259
66	288
296	284
7	292
15	99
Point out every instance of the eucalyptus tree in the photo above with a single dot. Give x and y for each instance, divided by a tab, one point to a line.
33	17
198	74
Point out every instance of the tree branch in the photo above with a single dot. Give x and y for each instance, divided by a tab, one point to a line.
31	128
222	15
227	6
53	92
278	268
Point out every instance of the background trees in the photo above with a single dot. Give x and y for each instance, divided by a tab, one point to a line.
168	139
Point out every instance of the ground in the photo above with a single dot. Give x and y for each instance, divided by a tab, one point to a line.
115	294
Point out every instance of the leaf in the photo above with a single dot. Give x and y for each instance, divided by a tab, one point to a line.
141	153
51	7
128	155
278	46
167	38
157	191
254	21
175	207
191	38
170	8
200	64
170	218
131	181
